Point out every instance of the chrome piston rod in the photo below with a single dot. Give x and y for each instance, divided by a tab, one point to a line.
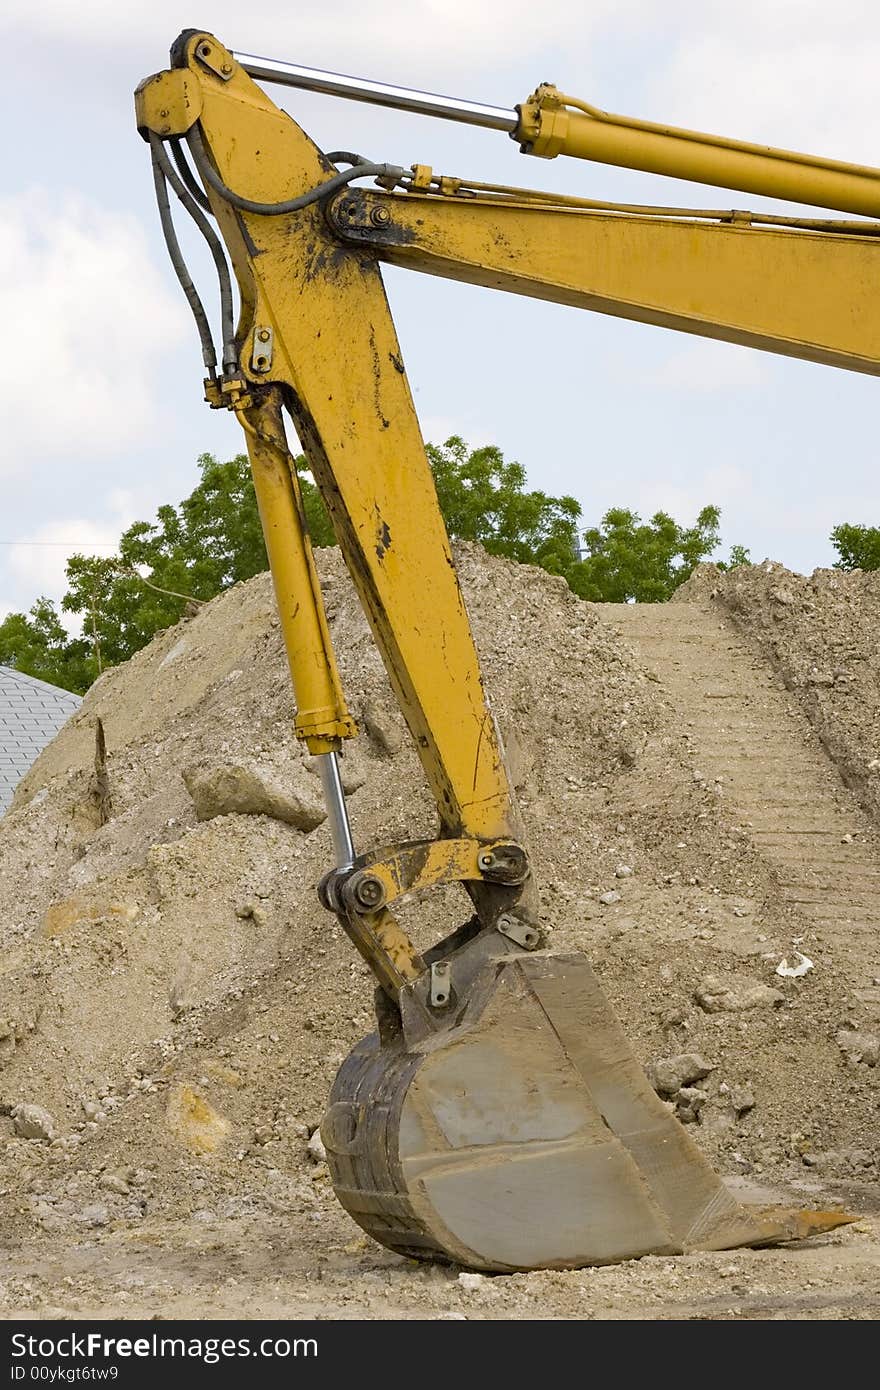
337	814
378	93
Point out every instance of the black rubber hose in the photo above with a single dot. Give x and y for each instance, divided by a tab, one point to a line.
346	157
209	356
323	190
188	176
230	356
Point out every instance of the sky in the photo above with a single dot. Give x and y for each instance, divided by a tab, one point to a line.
104	418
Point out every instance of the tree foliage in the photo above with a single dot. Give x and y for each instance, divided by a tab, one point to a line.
213	539
629	559
38	644
484	498
857	546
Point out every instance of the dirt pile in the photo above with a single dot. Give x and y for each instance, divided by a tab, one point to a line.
820	632
175	1002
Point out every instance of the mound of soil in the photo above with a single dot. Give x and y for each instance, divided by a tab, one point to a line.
820	632
174	1002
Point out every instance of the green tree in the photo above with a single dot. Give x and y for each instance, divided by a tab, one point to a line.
739	555
213	539
627	558
857	546
38	644
191	552
484	498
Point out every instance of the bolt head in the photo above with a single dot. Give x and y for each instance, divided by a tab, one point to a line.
370	891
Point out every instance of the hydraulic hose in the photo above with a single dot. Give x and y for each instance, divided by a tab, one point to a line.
209	355
230	355
312	195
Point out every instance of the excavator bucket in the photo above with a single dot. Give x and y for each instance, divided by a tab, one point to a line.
523	1133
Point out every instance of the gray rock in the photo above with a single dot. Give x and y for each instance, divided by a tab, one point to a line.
96	1214
254	789
316	1147
33	1122
859	1047
115	1182
715	995
690	1101
623	871
610	897
251	911
741	1099
669	1074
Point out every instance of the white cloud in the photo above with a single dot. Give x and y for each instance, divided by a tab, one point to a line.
38	562
720	485
436	429
709	366
86	319
791	73
425	34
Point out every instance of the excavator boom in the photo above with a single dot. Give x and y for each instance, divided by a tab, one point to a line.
497	1117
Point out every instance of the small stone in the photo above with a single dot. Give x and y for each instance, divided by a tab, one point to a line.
114	1182
251	912
782	596
846	840
690	1101
717	996
316	1147
674	1017
741	1099
90	1108
859	1047
472	1282
263	1134
623	871
612	896
33	1122
96	1214
668	1074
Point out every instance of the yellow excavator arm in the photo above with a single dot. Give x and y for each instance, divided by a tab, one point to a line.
498	1117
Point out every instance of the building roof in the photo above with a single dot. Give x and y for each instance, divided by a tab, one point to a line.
31	713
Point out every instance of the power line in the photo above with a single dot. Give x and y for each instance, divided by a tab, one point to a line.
90	545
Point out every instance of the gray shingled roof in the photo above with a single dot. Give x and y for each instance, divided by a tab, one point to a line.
31	713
